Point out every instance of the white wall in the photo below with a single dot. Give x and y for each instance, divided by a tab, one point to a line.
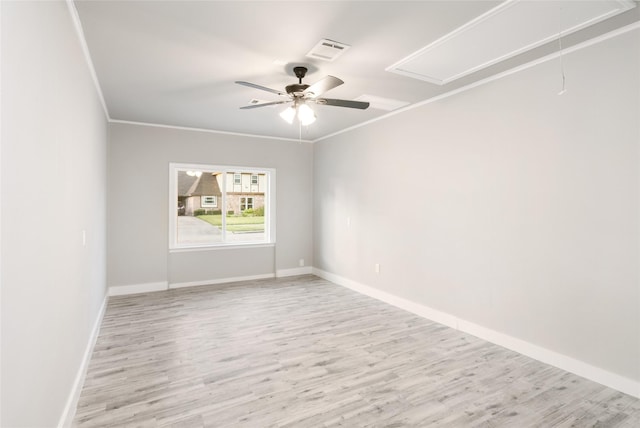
506	206
53	188
138	248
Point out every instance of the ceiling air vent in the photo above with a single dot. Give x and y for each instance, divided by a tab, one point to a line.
327	50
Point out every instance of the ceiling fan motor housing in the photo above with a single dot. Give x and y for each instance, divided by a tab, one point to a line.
296	89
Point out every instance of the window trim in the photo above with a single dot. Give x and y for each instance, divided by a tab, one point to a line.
270	207
213	204
244	202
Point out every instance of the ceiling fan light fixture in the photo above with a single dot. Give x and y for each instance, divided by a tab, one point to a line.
306	116
288	114
299	94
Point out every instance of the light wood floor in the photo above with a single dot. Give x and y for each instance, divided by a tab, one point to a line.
302	352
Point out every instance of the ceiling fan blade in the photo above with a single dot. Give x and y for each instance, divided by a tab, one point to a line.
343	103
272	103
322	86
262	88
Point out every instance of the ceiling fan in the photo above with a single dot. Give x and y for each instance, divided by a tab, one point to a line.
300	94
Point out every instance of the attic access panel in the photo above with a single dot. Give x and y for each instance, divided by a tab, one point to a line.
505	31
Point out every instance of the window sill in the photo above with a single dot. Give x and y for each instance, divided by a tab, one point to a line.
222	247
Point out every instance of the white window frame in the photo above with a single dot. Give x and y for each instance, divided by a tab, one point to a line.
245	204
213	204
269	212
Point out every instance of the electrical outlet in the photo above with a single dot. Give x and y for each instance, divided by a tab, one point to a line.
301	262
376	267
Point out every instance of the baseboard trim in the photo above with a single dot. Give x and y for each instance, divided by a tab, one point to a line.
220	281
306	270
69	412
547	356
148	287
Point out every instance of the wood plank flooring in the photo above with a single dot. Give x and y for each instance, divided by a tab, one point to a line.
303	352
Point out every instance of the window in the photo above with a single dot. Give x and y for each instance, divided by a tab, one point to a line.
208	210
254	179
246	204
209	201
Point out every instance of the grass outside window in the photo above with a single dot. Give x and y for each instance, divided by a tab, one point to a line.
236	223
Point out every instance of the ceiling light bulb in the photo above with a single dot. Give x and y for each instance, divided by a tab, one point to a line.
306	115
288	114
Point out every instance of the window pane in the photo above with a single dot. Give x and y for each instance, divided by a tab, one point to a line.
248	203
198	221
209	201
217	205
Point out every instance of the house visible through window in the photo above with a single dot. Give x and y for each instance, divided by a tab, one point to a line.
218	205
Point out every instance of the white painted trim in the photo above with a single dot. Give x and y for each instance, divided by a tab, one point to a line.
121	290
1	134
547	356
69	411
495	77
234	246
220	281
87	55
212	131
306	270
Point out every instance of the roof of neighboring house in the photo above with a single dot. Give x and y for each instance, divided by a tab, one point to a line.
206	184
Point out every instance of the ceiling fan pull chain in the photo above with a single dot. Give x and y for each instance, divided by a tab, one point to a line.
564	79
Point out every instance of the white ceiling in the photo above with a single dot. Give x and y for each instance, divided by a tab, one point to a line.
175	63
